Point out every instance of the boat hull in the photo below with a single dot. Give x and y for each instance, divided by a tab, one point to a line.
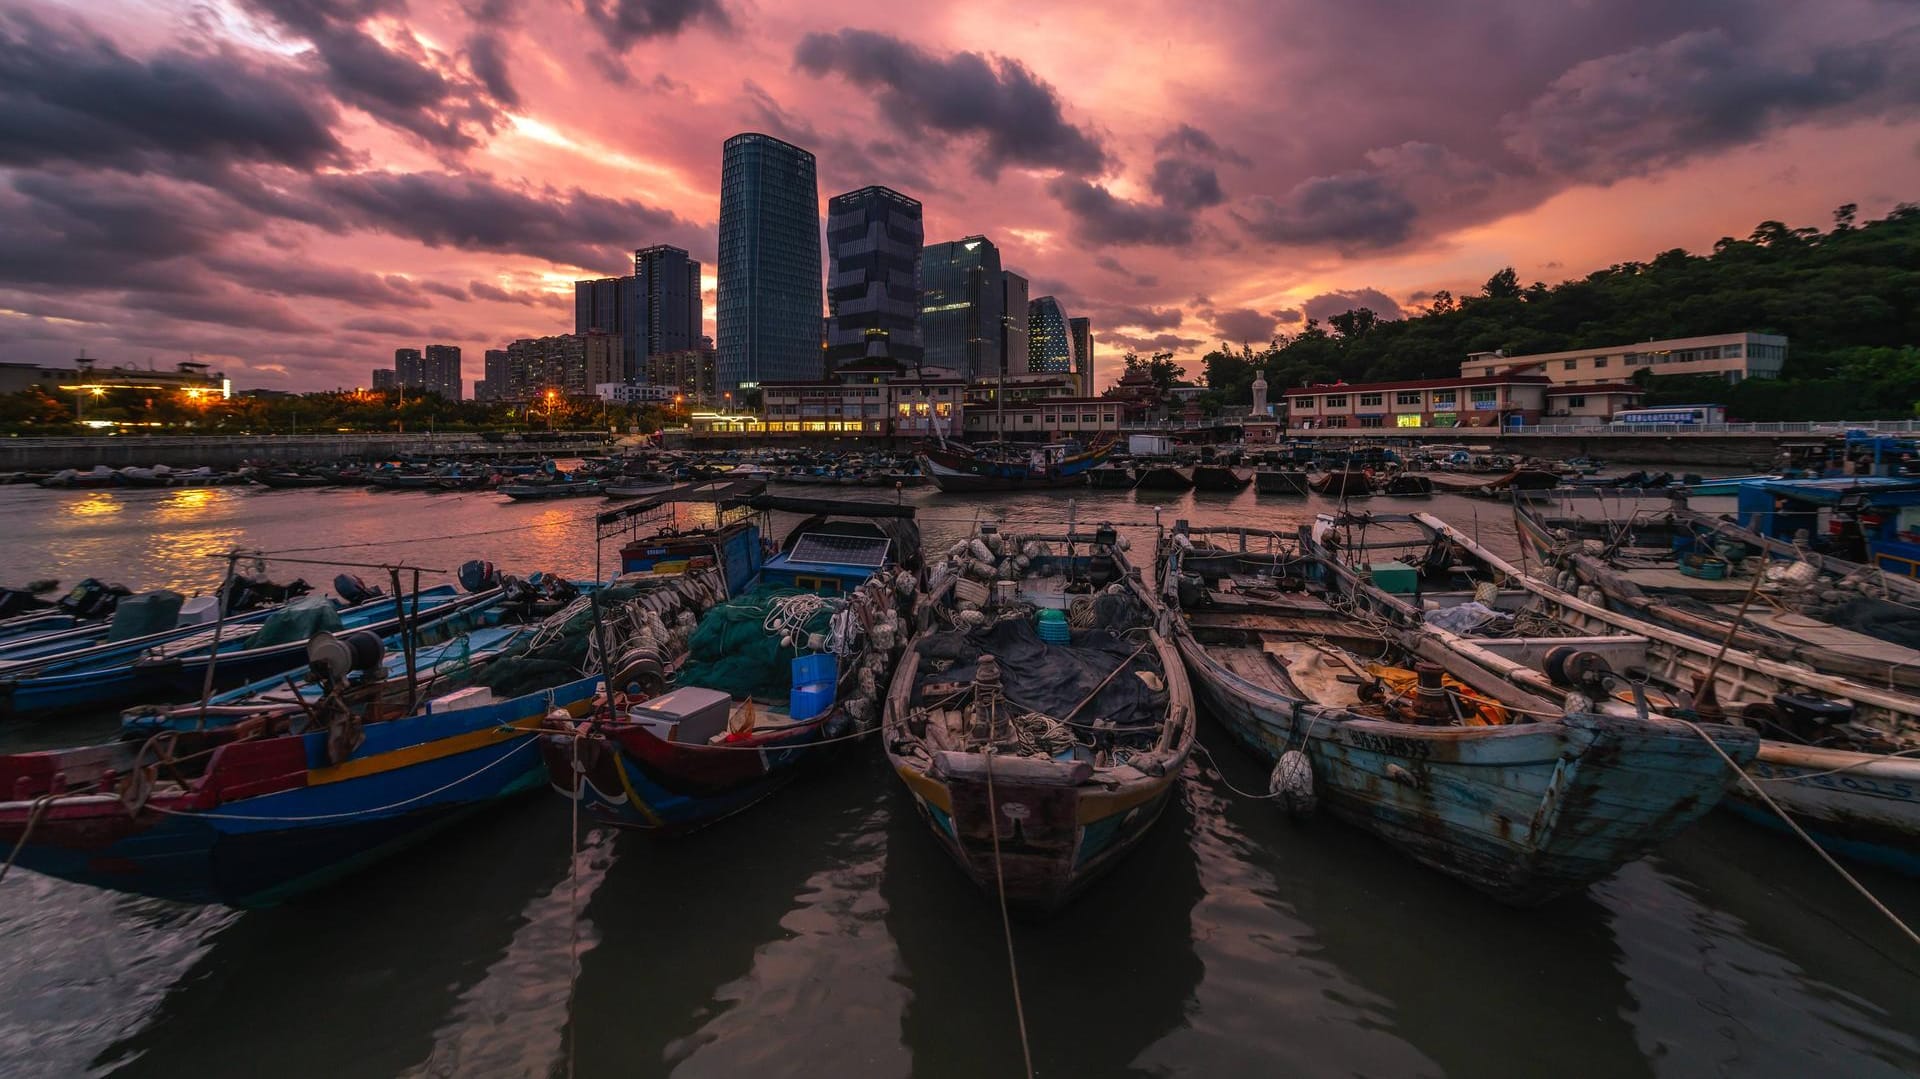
1524	813
963	473
1279	482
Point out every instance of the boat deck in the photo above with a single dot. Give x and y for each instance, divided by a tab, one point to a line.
1672	581
1821	634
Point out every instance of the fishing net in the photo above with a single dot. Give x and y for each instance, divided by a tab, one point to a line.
556	652
732	652
297	621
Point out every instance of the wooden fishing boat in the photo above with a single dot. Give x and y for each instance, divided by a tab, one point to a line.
716	714
1112	476
1477	776
1839	755
1280	481
955	467
1407	485
288	478
1220	478
1342	483
1039	764
533	492
250	818
1165	477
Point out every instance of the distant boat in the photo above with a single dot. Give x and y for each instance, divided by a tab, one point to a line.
958	468
1280	481
1343	483
1220	478
1165	478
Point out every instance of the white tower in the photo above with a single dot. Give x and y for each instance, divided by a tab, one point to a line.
1259	394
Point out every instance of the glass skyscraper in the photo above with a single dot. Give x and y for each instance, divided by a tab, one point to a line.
1083	353
961	302
1013	321
769	275
873	277
1049	338
667	284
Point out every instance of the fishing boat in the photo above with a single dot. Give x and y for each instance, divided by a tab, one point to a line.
1039	720
1407	485
249	818
290	478
722	704
1280	481
1006	467
1519	795
1841	756
1112	476
1211	477
1342	483
532	490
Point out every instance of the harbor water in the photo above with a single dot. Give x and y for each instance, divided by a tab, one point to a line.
824	933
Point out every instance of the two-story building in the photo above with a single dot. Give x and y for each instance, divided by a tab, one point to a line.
1490	401
1730	356
1045	419
872	398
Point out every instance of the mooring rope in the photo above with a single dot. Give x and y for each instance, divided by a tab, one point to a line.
1006	922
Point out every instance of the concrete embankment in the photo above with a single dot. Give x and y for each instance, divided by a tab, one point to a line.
119	451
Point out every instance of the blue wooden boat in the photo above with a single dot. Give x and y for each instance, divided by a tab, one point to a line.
220	818
1519	795
712	722
1039	769
955	467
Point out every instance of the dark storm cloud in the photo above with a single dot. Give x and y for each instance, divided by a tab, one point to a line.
486	55
1289	316
301	277
1190	141
1328	304
1112	265
1141	316
1636	111
239	308
474	211
1017	116
442	288
1245	324
391	327
481	290
625	23
67	94
1160	342
1104	218
1185	184
402	86
1352	211
105	230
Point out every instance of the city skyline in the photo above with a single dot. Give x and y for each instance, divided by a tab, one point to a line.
301	216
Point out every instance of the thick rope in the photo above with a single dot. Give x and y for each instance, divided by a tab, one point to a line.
33	817
1221	774
1006	922
1797	830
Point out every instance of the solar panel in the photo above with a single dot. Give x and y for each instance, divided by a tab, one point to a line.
867	552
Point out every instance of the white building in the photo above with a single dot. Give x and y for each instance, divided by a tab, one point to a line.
620	393
1731	356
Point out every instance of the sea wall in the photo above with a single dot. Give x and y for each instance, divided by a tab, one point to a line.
118	451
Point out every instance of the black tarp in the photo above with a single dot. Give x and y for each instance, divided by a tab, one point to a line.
1051	679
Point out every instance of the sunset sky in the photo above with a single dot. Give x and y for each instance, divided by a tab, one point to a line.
291	189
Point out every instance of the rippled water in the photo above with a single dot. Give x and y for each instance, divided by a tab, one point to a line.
825	934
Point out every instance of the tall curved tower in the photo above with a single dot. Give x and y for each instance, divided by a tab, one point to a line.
1049	338
768	307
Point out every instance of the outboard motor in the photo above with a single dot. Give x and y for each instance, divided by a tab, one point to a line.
93	598
249	593
354	591
478	575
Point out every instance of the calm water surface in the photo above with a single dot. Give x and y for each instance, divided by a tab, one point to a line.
825	933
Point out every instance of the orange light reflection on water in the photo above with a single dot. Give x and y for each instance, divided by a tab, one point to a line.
100	504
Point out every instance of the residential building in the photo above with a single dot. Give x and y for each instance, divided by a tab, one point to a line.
385	378
962	297
493	387
876	398
409	366
605	357
1483	401
1082	332
1730	356
768	317
1013	322
610	305
873	277
669	316
440	372
538	364
1049	338
627	393
690	373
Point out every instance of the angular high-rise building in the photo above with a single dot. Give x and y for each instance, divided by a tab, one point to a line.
1082	329
667	283
962	297
1049	338
1013	321
769	275
440	372
873	277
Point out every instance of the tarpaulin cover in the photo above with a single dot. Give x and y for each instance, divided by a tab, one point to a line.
1893	622
1051	679
297	621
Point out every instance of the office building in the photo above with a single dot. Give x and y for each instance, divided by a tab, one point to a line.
668	316
385	378
1013	322
440	372
962	293
605	357
873	277
1049	338
1082	330
1730	356
769	275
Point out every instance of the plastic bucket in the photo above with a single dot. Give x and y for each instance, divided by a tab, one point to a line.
815	668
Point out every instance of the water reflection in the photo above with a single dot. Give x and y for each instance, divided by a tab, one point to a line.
355	979
95	504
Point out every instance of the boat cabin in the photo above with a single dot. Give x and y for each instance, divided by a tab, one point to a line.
1871	519
696	525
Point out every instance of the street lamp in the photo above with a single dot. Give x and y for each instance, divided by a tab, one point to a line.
550	398
729	400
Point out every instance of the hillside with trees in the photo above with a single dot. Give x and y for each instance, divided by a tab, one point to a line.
1848	300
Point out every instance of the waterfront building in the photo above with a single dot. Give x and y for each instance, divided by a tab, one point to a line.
627	393
1734	357
1049	338
385	378
769	301
1013	322
875	398
1045	418
1082	331
873	277
691	373
668	317
189	377
1478	401
440	372
962	297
